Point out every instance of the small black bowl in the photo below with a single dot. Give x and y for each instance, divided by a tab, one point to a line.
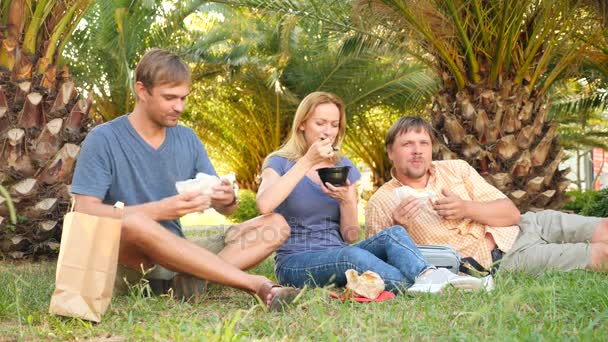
335	176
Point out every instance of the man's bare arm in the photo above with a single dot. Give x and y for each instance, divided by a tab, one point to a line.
497	213
170	208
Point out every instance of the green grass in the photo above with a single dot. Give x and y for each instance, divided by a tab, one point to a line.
572	306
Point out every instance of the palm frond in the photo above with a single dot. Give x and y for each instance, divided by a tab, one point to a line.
105	51
271	62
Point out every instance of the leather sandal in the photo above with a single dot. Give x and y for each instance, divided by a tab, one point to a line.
281	297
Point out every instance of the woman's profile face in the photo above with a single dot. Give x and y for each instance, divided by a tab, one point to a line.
323	123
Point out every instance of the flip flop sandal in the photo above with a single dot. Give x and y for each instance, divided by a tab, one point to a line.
281	298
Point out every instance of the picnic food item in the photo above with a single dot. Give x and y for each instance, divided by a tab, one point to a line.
203	183
369	284
405	191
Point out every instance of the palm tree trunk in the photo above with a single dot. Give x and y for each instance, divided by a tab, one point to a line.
42	123
503	133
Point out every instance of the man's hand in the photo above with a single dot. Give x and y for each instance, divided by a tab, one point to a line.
174	207
405	213
451	207
223	195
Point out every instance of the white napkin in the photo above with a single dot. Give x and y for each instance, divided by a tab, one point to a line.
202	182
406	191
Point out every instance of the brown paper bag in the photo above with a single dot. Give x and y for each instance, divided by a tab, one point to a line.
86	266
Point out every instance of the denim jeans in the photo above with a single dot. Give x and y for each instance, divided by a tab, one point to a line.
391	253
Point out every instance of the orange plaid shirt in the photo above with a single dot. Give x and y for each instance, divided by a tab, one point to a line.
466	236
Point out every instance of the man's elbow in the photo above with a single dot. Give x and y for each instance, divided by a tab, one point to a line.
515	215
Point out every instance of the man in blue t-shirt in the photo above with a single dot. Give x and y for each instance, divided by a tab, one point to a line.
136	159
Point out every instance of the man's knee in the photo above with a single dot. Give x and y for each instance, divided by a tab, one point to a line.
131	254
134	225
274	229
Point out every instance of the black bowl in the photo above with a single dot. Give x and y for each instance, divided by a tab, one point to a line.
335	176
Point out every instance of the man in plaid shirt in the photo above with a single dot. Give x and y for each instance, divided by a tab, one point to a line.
474	217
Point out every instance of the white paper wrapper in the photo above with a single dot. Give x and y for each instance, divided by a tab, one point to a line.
369	284
424	196
203	183
406	191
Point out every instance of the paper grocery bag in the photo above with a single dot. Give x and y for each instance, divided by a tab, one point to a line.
86	266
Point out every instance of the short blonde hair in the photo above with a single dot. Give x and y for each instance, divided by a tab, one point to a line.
158	67
295	146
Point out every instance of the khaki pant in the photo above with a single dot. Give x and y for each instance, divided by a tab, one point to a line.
125	277
551	240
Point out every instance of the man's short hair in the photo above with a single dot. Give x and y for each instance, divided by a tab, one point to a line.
158	67
404	125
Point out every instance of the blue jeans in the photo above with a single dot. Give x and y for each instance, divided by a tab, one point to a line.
391	253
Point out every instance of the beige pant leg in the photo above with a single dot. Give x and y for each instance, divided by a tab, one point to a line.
551	240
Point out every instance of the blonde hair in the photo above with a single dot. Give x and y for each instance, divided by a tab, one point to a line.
295	146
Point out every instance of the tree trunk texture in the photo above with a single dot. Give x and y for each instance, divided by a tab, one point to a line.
42	123
43	120
504	135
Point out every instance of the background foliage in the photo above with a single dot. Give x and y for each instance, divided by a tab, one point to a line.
253	60
247	208
253	68
112	37
589	203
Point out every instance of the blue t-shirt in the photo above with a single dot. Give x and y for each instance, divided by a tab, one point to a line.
314	217
116	164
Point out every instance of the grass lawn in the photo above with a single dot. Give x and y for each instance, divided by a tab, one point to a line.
571	306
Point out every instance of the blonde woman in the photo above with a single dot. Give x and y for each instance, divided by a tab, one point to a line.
323	217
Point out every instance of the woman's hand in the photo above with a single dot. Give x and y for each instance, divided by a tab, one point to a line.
346	194
320	151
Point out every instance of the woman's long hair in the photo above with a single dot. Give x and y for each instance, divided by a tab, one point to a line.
295	146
